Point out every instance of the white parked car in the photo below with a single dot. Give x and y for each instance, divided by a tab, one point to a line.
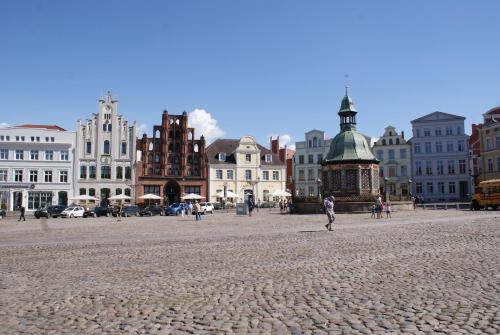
207	207
73	212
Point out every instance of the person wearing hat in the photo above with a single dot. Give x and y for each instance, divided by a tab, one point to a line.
329	210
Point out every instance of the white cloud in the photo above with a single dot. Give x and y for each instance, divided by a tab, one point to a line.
285	139
4	125
204	124
141	129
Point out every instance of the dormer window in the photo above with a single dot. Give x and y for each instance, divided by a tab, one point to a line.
269	158
248	157
222	156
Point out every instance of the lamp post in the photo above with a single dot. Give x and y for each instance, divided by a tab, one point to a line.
258	199
410	192
386	182
319	189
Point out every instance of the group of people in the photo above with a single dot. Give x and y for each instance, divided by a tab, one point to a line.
285	205
379	207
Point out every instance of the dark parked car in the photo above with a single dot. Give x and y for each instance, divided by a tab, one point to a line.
175	208
3	213
151	210
50	211
96	212
130	211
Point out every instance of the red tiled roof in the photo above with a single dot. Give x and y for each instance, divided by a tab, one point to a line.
41	126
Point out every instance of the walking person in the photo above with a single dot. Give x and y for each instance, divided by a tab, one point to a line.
285	206
330	212
378	206
21	213
182	210
281	206
190	207
197	208
250	206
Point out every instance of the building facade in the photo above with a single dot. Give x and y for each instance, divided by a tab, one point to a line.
36	166
246	168
393	152
440	162
286	155
105	153
307	163
489	134
172	162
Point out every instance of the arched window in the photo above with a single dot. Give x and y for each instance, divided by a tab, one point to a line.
196	148
150	158
105	127
190	135
106	147
150	146
190	147
157	158
109	127
170	160
190	159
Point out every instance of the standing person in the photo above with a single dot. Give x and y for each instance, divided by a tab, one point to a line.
21	213
250	206
378	206
373	210
388	209
285	206
197	208
119	212
414	203
182	209
330	212
190	207
281	206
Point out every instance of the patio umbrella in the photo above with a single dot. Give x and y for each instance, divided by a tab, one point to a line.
120	197
85	198
192	196
150	197
229	194
281	193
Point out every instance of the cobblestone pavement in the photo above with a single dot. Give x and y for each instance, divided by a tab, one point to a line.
424	272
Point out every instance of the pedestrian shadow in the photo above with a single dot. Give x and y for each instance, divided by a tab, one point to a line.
312	231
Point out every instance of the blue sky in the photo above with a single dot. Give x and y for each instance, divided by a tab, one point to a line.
258	67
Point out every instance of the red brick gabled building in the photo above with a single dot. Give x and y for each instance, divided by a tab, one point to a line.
172	162
286	156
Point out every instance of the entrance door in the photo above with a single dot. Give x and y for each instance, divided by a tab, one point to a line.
17	200
464	189
172	192
62	198
105	194
248	195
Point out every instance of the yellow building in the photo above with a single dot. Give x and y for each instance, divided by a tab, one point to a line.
245	168
490	145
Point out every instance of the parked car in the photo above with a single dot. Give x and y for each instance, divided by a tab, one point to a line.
175	208
206	207
151	210
73	212
49	211
96	212
3	213
130	211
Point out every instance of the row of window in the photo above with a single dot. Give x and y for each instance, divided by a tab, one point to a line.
34	176
311	191
391	142
19	154
248	175
23	138
90	172
106	148
429	168
310	175
393	171
315	142
310	159
490	164
448	131
489	144
106	191
392	154
438	147
452	188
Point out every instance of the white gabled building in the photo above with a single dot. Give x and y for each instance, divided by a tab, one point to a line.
105	153
246	168
36	166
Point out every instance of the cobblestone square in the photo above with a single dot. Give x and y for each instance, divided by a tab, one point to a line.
424	272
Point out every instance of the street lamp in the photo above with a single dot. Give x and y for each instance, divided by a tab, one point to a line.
411	190
319	188
386	182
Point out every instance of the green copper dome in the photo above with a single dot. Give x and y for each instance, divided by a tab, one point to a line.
349	145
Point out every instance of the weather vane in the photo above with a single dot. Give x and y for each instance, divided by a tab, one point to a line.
346	82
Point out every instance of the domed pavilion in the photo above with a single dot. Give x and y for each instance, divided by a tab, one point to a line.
350	171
